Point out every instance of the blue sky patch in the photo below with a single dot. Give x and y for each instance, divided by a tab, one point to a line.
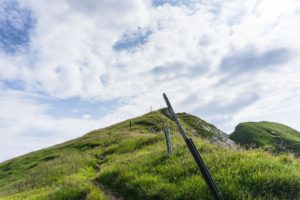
78	108
176	70
157	3
16	24
13	84
250	60
216	107
132	40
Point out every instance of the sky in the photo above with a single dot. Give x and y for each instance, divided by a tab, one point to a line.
70	66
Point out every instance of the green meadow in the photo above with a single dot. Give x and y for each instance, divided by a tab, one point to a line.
123	162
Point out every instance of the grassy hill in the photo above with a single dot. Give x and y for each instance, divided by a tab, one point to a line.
268	135
119	162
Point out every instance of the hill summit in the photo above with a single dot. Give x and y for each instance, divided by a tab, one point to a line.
129	160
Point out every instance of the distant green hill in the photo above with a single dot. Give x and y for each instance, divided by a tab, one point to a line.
123	162
269	135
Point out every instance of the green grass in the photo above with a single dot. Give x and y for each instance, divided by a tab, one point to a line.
132	163
149	174
267	135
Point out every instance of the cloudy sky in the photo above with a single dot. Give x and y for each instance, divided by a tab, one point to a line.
71	66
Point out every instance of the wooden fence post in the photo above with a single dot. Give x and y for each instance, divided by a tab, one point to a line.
168	140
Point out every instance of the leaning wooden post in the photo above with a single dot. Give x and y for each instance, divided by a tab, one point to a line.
198	159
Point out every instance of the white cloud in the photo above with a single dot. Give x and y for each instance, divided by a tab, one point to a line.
72	54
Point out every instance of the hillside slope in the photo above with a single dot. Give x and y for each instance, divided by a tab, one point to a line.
123	162
268	135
